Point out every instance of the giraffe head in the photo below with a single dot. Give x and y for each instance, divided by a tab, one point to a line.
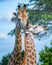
22	15
34	29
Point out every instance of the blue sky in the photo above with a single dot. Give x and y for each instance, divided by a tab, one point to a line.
8	6
7	42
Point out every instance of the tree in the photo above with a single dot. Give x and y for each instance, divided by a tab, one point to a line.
42	4
46	56
41	10
5	59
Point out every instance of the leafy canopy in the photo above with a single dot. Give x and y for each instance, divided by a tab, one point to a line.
46	56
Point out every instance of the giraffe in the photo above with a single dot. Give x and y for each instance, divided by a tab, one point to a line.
16	54
30	52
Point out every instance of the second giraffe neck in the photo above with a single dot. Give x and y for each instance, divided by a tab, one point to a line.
30	53
30	49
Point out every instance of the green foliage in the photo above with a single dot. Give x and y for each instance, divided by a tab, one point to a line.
36	16
46	17
42	4
41	13
12	32
46	56
5	59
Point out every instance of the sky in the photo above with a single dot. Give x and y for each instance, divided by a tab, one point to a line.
9	6
7	42
6	9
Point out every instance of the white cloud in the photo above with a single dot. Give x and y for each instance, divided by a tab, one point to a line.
3	35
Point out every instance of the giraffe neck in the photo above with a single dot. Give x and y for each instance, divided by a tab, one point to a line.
18	40
30	53
16	54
